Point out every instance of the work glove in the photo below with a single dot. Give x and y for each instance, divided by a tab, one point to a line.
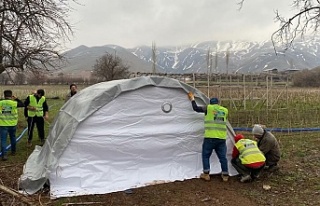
191	96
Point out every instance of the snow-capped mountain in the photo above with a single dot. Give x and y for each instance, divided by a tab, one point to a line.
243	57
226	56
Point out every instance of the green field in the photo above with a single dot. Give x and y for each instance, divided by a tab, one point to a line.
297	182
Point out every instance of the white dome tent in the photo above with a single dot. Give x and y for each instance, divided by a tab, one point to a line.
122	134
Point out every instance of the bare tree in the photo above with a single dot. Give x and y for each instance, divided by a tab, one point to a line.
305	20
216	61
30	33
37	78
61	77
154	57
20	78
110	67
4	78
307	78
227	60
209	70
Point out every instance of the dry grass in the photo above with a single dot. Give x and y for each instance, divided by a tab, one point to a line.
22	91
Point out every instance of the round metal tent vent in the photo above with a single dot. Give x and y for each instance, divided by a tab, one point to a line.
166	107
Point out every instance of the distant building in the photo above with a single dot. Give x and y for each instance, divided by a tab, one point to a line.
272	70
290	71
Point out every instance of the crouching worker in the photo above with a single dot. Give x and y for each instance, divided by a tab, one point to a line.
247	159
269	145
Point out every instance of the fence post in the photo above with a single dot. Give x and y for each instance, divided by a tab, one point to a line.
244	91
194	80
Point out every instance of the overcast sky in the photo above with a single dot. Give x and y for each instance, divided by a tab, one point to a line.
130	23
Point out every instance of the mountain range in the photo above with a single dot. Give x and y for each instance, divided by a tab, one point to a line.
225	57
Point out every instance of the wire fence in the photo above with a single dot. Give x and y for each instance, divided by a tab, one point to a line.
268	103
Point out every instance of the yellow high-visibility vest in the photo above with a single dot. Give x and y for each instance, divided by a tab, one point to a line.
249	151
38	105
215	122
9	112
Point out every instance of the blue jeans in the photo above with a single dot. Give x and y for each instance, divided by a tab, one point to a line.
220	147
4	130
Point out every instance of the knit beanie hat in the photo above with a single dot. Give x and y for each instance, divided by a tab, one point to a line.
238	137
214	100
257	130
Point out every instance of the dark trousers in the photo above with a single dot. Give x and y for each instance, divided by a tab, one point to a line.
39	121
243	170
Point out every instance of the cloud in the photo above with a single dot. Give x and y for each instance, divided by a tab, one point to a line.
130	23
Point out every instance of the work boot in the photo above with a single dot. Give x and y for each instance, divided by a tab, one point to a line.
273	168
41	142
205	176
4	158
225	177
29	143
245	178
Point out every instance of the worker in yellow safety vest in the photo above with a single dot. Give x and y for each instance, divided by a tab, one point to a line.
9	121
215	135
36	111
247	159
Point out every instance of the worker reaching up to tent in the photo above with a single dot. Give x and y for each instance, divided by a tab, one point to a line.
247	159
215	135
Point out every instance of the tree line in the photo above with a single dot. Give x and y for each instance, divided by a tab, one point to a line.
307	78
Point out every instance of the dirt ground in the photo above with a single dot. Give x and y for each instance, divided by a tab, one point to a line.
189	192
180	193
297	183
284	191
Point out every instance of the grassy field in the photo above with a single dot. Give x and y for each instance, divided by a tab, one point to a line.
297	182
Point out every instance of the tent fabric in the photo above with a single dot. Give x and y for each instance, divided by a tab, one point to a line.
122	134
